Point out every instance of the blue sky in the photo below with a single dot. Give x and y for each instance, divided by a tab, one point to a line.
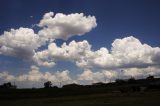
115	19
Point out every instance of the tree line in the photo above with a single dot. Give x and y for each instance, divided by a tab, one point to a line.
121	85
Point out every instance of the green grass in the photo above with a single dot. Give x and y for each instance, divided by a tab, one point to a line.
107	99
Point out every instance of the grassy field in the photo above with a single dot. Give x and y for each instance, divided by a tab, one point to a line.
107	99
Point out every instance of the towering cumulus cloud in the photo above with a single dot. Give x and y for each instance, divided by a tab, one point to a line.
127	56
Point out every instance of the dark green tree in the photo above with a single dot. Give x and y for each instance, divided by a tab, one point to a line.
48	84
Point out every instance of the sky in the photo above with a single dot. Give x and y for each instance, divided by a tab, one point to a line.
78	41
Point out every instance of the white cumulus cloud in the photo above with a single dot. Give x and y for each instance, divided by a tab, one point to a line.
128	52
62	26
20	42
73	52
89	77
25	43
35	75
